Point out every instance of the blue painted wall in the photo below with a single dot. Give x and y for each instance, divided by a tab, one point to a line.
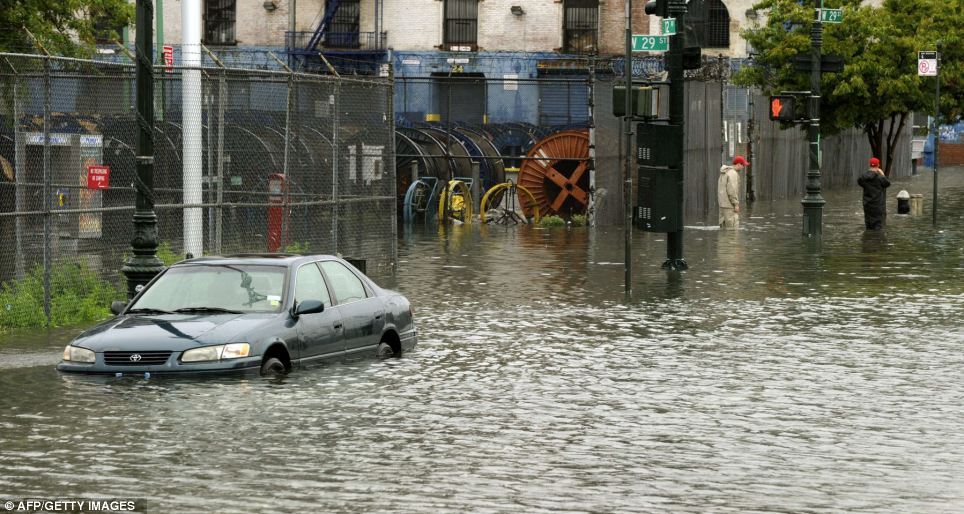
415	90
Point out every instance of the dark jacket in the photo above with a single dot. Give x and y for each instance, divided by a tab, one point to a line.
875	197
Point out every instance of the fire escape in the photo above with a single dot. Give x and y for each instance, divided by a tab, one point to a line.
339	39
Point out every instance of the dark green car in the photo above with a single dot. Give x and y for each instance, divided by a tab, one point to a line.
258	313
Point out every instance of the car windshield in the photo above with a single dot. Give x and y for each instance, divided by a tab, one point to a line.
214	288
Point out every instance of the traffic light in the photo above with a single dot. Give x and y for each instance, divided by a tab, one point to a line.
782	108
658	8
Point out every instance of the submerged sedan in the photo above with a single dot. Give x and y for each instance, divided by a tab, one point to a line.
266	313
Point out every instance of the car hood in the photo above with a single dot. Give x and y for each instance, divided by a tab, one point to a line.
176	332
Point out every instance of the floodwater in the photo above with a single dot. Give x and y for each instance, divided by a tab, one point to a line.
777	374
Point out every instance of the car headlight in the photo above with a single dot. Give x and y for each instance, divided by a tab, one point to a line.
78	354
214	353
235	350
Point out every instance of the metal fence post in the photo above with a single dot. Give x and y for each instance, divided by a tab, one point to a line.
219	213
390	117
20	196
590	207
46	189
334	167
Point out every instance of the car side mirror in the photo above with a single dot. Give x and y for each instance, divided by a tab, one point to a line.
118	306
309	307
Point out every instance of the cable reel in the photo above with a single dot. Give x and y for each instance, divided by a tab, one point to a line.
511	192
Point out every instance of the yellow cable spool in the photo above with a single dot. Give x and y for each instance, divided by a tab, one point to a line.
533	204
458	199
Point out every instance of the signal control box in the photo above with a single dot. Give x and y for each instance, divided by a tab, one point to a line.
658	199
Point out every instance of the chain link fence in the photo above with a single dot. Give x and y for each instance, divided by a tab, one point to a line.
245	161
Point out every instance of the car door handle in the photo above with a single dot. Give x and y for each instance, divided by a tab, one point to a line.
338	326
378	317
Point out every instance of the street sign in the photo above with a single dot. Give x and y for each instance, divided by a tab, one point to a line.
927	64
831	15
645	43
669	26
98	177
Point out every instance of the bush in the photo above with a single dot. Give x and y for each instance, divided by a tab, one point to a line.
77	296
578	220
297	247
552	221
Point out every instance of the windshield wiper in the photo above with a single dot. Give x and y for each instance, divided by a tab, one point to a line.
147	310
206	309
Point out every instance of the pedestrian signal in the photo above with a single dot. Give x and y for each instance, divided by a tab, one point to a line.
781	108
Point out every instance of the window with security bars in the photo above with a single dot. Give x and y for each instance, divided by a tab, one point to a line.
219	22
343	32
580	26
461	22
717	25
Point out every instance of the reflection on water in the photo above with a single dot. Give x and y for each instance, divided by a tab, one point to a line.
776	374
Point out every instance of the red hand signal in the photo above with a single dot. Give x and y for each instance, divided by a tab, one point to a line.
775	107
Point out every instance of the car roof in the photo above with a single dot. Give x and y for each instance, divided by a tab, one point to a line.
269	259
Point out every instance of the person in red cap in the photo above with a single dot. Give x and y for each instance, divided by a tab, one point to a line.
728	193
874	183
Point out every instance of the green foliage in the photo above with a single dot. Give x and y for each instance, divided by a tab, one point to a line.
298	247
551	221
879	46
163	252
578	220
63	27
166	255
77	296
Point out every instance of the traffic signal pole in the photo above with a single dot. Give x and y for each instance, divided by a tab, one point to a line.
674	65
627	121
813	201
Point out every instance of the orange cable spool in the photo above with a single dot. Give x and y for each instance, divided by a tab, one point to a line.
559	185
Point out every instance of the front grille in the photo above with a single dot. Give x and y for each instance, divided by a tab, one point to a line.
129	359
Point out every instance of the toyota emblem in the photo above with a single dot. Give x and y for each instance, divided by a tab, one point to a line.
136	357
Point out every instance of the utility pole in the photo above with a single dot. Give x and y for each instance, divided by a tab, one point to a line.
144	264
813	202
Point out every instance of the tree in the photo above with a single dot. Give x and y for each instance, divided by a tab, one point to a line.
879	88
62	27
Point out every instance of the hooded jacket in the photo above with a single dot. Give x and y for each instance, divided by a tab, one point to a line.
728	188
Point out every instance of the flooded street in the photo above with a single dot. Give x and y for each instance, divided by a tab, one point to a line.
777	374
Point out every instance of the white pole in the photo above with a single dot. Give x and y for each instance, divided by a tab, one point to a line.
191	122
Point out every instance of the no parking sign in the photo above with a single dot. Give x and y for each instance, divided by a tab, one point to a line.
927	64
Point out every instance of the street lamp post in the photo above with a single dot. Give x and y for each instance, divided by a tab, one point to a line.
144	264
813	202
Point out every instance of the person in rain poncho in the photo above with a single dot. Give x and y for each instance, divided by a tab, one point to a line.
728	193
874	184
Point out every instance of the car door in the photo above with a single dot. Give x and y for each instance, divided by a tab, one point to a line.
362	313
320	334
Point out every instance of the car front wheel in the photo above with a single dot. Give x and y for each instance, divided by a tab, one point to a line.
384	351
272	367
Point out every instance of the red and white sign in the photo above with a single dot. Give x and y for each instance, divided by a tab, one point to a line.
98	177
168	52
927	64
